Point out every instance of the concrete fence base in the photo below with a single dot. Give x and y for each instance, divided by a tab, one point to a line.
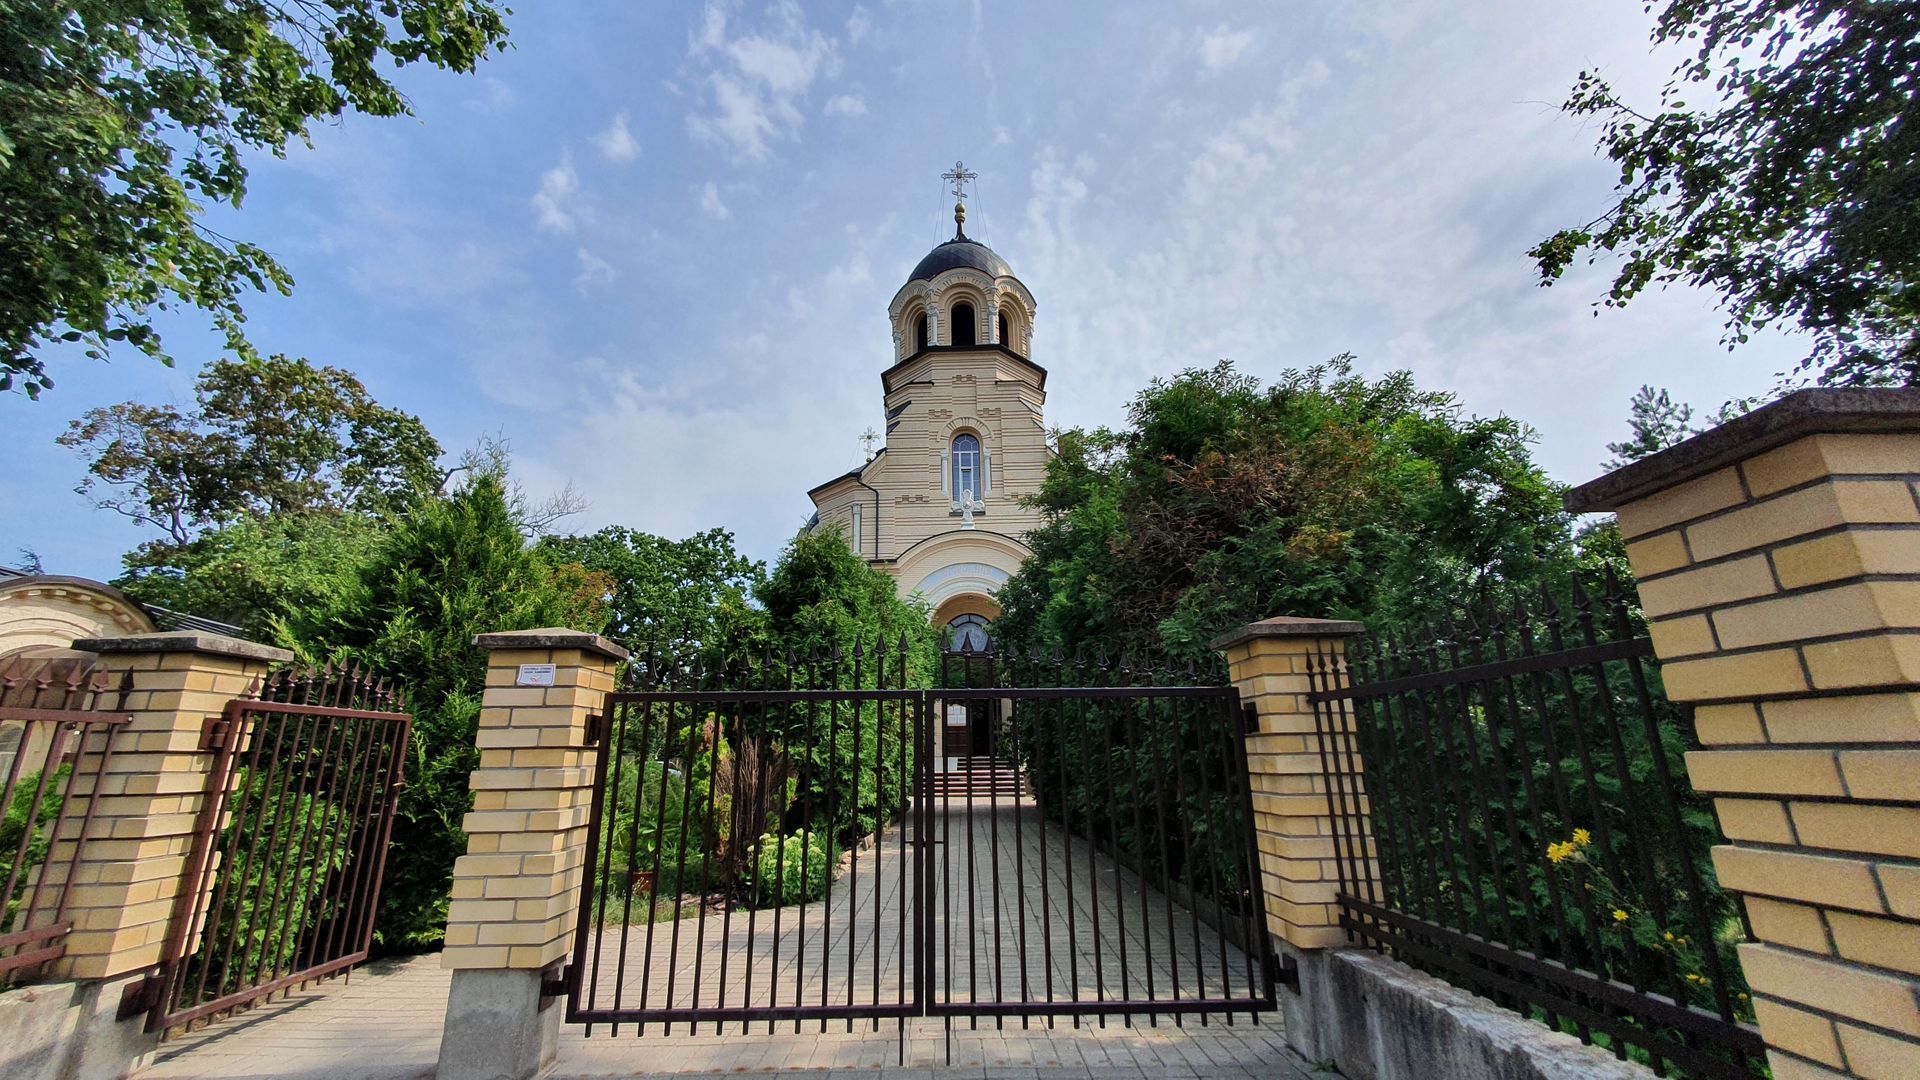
1374	1018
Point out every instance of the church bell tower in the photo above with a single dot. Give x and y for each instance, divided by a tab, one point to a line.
938	507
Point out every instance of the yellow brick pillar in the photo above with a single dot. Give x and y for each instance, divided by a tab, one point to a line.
1269	662
1779	565
516	890
147	800
127	874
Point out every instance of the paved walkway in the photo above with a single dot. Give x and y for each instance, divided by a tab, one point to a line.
384	1024
1040	914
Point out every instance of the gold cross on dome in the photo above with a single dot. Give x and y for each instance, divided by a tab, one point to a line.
959	175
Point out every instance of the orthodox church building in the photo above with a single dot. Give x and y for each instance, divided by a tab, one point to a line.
938	507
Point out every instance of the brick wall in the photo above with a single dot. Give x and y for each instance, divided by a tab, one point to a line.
1779	567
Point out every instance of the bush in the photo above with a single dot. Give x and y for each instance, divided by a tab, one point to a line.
789	870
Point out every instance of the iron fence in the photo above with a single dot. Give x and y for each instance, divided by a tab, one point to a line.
1511	812
56	732
283	877
869	833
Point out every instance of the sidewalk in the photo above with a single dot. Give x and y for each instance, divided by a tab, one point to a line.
385	1025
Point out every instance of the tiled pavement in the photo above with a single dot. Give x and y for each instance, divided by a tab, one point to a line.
384	1022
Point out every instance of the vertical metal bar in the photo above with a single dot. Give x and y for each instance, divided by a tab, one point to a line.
340	839
759	809
31	826
1037	774
833	827
918	810
1064	753
1223	739
667	681
295	914
602	807
723	670
377	809
389	809
737	817
853	854
780	842
1138	787
1093	869
680	864
291	732
616	738
808	778
1260	973
1183	809
86	820
1345	861
1113	835
1009	724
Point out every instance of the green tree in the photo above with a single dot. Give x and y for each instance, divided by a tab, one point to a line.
451	568
1322	495
259	573
121	119
673	595
273	437
1655	421
1779	168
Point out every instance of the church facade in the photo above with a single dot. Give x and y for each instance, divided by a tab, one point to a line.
938	507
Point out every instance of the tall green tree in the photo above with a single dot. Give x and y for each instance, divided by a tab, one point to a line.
120	120
669	594
1324	494
273	437
1780	167
451	568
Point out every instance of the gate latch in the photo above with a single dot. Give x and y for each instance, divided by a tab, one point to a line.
596	728
213	732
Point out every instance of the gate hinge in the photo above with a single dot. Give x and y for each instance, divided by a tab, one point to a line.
214	731
1287	973
139	997
596	728
1250	718
557	986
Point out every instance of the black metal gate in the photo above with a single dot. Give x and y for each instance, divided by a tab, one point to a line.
283	878
791	839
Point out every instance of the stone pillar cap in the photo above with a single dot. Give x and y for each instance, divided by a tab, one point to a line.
1289	626
1817	411
193	641
551	637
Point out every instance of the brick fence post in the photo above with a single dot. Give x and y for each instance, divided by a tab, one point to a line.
1778	558
129	869
516	890
1269	663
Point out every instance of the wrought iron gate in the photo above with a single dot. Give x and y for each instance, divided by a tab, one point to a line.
792	839
283	878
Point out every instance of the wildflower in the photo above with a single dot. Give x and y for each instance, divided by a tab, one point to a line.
1744	997
1669	935
1582	837
1619	915
1559	851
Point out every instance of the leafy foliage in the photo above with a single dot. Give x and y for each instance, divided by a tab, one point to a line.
1322	495
23	817
121	119
272	437
1790	192
669	595
450	569
790	869
259	573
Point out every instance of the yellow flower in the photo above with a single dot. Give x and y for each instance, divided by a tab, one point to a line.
1559	851
1669	935
1619	915
1582	837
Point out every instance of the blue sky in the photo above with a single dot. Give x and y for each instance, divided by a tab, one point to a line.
652	245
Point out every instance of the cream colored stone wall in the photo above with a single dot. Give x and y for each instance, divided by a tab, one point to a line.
58	611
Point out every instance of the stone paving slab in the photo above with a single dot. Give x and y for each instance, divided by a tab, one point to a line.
384	1024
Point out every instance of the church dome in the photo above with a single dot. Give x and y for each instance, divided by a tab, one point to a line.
958	253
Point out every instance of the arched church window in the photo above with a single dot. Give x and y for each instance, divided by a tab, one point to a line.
968	632
1006	335
920	332
965	326
967	478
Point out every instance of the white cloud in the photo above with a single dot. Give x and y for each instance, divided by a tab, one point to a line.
594	270
554	204
755	81
1224	48
846	105
859	25
710	203
617	143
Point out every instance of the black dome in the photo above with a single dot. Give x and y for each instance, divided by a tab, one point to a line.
960	252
